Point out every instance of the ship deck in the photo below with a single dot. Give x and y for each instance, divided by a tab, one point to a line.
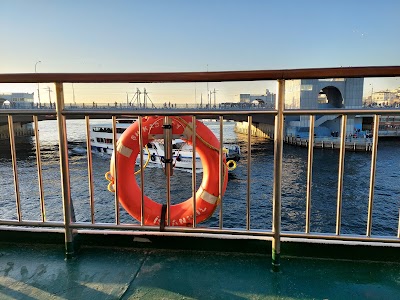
40	271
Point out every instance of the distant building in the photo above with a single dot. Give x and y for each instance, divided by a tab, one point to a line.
384	98
396	92
322	94
16	100
267	99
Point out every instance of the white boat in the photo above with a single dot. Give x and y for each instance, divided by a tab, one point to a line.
101	138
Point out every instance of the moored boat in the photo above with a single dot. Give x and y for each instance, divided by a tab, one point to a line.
102	142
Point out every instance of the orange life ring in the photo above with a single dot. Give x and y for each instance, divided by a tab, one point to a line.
207	196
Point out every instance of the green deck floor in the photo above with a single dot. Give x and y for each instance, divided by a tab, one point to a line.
41	272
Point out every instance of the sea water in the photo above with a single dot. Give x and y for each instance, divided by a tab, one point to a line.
294	179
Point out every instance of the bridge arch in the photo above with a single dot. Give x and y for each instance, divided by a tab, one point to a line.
330	97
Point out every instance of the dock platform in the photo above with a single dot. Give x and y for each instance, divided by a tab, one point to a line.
351	144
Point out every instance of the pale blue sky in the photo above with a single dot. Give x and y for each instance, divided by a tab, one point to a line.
168	36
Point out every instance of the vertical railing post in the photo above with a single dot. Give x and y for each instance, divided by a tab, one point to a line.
115	159
140	121
194	171
221	171
64	170
248	196
90	168
15	169
373	171
340	175
398	227
39	169
168	162
309	172
277	191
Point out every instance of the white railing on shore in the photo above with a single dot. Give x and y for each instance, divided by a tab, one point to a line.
63	112
134	107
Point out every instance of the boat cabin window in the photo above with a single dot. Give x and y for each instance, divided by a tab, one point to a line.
126	121
103	140
102	129
178	145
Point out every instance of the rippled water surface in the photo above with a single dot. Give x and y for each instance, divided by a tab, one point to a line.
324	190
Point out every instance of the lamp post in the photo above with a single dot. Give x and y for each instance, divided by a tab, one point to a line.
38	83
372	92
73	93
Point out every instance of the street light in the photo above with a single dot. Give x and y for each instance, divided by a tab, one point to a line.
38	83
73	93
372	91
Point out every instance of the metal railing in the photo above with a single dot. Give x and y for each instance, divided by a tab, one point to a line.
69	225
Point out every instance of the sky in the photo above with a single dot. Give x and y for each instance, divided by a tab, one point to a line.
179	36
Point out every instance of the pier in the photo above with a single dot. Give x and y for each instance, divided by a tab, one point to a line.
351	144
20	131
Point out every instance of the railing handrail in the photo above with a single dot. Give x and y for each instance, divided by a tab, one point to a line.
216	76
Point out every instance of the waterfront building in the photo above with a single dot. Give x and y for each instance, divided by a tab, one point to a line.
267	99
16	100
396	92
383	98
323	94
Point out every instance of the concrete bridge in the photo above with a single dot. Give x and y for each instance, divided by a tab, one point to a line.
262	118
22	118
104	111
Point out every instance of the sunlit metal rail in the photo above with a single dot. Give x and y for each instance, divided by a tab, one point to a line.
276	234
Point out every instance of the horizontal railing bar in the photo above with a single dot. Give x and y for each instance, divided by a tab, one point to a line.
32	229
361	111
214	112
230	237
107	227
217	113
28	112
138	227
31	223
388	242
217	76
166	112
285	236
182	234
227	236
341	237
